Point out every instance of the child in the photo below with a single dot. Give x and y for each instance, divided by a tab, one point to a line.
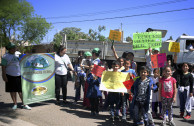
80	76
155	100
167	94
93	93
114	97
125	97
185	90
141	96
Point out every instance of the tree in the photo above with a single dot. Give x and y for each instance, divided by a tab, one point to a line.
129	39
96	35
17	18
72	33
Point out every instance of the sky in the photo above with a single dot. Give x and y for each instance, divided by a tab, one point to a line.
134	15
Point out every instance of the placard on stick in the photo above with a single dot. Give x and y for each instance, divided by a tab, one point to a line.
97	70
115	35
174	47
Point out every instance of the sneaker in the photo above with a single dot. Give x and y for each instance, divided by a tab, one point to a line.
181	114
163	124
124	119
14	107
26	107
187	117
172	123
140	123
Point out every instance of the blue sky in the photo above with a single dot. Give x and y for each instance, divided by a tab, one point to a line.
176	23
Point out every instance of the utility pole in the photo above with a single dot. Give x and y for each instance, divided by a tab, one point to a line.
121	33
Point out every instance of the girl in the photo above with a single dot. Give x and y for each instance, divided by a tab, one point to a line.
155	100
185	90
167	94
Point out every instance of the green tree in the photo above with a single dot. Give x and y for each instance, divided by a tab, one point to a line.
96	35
17	18
129	39
72	33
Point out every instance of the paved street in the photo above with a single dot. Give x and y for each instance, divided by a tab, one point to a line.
48	114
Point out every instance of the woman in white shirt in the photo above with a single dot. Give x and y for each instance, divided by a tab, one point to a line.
62	63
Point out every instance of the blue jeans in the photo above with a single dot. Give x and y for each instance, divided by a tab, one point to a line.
78	88
183	98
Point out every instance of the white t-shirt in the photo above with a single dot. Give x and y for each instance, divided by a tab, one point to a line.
12	64
60	68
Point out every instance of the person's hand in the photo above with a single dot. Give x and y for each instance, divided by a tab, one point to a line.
190	94
4	78
174	100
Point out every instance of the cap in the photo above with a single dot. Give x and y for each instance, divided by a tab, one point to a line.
10	45
87	54
96	50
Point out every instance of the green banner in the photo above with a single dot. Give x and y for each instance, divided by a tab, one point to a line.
38	80
146	40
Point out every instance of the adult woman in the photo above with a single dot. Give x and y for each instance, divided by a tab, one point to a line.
11	74
62	62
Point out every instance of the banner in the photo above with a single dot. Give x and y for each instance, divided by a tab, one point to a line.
146	40
97	70
174	47
113	81
158	60
115	35
38	81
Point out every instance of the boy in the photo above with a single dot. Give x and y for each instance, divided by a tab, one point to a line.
125	97
141	90
114	97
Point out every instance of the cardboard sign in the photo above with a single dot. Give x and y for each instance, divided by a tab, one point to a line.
97	70
158	60
128	84
146	40
174	47
115	35
113	81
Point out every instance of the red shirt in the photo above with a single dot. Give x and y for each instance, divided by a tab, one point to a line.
167	87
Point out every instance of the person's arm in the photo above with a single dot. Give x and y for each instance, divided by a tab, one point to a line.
191	85
4	73
135	67
174	92
175	58
114	52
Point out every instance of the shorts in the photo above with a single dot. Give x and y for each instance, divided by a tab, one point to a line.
13	84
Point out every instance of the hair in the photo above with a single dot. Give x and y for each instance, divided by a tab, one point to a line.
80	52
116	63
61	48
145	68
155	70
168	67
126	53
80	58
120	59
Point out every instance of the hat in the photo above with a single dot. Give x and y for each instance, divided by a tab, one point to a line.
87	54
96	50
158	49
10	45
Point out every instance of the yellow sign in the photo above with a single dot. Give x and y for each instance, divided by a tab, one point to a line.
115	35
114	80
174	47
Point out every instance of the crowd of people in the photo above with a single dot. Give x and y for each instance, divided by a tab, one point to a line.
152	95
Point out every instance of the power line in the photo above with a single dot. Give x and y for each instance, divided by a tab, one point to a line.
136	15
118	10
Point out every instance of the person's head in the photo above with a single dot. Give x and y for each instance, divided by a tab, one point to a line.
169	62
87	55
80	53
96	52
185	67
167	72
155	51
156	72
115	65
128	55
127	64
121	60
103	64
62	50
11	47
144	72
